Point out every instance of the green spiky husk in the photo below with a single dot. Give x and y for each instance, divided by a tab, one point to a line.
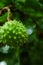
13	33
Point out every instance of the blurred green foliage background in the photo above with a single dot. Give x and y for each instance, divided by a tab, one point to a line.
30	13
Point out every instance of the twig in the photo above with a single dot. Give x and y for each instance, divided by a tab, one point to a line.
9	12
